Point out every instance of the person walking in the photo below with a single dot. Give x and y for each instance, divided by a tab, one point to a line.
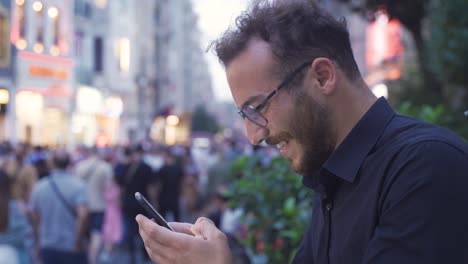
134	175
59	204
98	175
389	189
15	228
170	177
23	174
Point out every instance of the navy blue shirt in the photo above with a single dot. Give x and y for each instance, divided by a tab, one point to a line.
394	191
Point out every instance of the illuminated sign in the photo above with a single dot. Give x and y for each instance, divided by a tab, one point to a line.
4	96
384	49
41	71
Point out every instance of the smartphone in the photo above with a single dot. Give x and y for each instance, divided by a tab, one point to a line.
151	211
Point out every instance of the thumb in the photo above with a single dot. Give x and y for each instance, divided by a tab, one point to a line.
204	228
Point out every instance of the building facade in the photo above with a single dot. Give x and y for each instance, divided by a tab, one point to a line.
182	79
6	69
44	71
114	41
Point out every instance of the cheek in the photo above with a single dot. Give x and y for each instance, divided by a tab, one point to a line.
281	113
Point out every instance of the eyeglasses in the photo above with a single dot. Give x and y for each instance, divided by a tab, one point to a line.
254	114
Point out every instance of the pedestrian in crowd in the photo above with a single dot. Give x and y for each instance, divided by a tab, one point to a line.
15	228
23	174
59	205
112	229
227	219
170	177
38	158
133	175
191	197
389	189
98	175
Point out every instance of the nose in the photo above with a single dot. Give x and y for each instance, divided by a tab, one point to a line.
255	133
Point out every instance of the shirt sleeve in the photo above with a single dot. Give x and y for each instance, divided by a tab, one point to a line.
424	210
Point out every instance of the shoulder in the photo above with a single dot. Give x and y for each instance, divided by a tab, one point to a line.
77	182
104	165
41	184
69	181
411	150
407	134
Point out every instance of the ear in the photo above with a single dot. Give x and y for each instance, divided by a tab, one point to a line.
324	71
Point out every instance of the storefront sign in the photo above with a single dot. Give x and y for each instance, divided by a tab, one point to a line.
384	49
41	71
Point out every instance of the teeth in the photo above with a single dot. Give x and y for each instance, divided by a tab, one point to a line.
280	145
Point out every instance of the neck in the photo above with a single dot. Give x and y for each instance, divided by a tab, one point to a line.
351	105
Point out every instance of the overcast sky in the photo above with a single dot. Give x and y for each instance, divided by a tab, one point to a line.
215	16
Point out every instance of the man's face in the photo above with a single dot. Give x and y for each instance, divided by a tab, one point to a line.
310	127
300	127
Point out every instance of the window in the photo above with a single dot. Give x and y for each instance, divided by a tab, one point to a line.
38	8
54	15
98	54
101	3
123	54
82	8
20	39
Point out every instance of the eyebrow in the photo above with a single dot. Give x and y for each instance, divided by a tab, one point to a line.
251	100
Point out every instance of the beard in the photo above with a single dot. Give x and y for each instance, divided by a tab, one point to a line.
312	128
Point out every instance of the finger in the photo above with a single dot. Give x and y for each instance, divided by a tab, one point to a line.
205	228
156	250
162	235
184	228
150	230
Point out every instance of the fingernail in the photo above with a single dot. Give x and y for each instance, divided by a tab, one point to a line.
138	217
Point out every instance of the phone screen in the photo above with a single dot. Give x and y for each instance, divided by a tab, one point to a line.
151	211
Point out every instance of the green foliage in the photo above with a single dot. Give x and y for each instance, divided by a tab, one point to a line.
202	121
438	115
276	206
435	115
448	40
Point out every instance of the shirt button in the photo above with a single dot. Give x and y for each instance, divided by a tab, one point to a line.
329	206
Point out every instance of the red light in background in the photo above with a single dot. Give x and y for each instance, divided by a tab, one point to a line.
102	140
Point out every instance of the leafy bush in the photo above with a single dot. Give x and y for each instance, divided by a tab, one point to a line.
438	115
276	206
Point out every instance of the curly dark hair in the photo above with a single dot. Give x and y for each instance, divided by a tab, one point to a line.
296	30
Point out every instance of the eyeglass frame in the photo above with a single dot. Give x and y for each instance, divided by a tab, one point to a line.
258	108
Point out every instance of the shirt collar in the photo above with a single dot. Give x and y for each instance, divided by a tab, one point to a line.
346	160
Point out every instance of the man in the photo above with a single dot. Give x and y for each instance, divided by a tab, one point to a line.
389	189
97	174
170	177
59	209
134	175
23	174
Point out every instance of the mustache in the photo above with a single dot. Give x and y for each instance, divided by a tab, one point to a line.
276	139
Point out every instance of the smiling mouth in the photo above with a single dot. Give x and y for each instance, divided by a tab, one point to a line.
280	145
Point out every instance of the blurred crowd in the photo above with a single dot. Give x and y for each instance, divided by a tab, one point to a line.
78	206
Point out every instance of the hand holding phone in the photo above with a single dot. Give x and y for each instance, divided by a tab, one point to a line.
152	213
